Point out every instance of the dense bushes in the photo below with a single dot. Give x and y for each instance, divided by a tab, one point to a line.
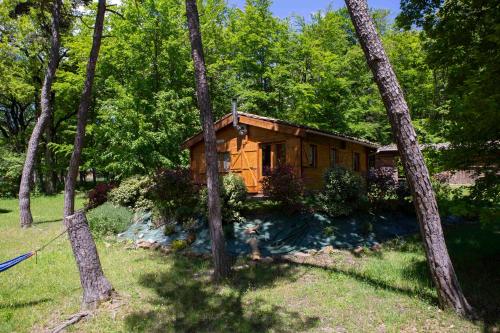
381	184
384	191
108	219
99	194
132	193
233	193
11	167
283	186
174	196
480	202
344	191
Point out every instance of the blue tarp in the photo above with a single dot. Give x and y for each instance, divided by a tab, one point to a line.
281	234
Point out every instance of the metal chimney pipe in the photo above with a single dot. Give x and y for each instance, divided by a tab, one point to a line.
235	113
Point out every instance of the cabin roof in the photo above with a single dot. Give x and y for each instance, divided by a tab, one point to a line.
283	126
392	148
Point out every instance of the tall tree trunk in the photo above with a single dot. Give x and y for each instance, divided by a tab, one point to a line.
26	218
95	286
443	274
221	263
51	174
83	109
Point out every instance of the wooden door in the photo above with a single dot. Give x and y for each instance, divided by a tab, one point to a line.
244	163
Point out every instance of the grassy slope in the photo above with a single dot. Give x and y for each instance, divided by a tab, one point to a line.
389	291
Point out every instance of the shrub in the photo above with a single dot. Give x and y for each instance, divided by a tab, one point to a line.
344	191
233	193
132	193
283	186
169	229
178	245
11	168
174	196
329	231
108	219
99	194
381	184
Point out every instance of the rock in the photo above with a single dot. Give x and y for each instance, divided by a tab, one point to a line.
312	251
376	247
358	250
165	249
252	230
144	244
255	256
267	260
141	235
302	254
329	249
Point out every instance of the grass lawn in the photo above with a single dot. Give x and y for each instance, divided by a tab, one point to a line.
384	292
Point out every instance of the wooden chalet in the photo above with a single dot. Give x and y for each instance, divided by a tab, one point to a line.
249	145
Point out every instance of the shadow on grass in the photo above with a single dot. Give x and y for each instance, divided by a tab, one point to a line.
475	253
5	211
19	305
47	221
185	303
417	270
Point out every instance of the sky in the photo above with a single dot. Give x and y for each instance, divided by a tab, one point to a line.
285	8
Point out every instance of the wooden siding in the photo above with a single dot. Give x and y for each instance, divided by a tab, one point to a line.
246	153
313	175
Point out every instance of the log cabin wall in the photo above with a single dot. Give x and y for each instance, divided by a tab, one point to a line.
246	155
330	152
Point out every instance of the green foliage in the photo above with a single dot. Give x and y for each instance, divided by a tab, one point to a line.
11	167
344	192
179	245
311	71
108	219
329	231
233	193
169	229
477	203
132	193
174	195
283	186
461	39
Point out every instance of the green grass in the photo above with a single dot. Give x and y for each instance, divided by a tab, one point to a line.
388	291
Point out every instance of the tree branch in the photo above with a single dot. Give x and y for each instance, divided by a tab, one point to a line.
114	12
66	117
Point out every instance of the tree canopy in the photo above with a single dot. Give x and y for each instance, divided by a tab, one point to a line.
307	70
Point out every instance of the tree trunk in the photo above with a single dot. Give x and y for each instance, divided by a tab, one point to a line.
26	218
96	288
221	263
83	109
51	174
443	274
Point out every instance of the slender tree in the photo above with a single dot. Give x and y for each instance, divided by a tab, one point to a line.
221	263
441	268
96	287
26	218
83	109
